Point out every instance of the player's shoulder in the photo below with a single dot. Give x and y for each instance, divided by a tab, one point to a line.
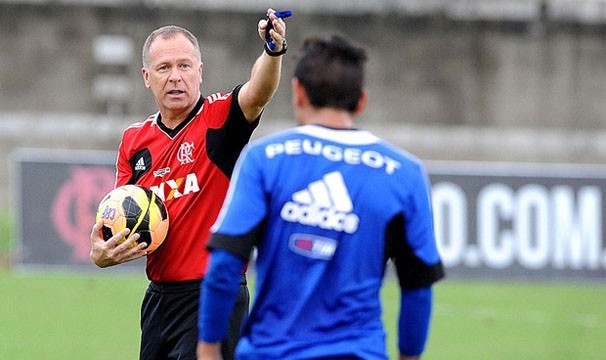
150	120
138	129
216	107
408	162
278	136
401	152
219	98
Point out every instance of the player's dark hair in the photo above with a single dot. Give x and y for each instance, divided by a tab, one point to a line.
332	72
167	32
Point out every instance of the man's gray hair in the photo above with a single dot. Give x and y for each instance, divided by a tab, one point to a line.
167	32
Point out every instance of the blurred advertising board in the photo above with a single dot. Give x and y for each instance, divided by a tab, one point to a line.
55	198
492	220
530	221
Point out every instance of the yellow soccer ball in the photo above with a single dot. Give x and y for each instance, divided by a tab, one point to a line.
136	208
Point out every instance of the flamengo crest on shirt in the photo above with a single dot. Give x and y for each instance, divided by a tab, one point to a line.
325	203
185	154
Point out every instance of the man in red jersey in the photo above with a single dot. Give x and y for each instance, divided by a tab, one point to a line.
186	153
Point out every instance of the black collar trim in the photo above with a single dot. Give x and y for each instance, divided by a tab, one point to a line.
173	132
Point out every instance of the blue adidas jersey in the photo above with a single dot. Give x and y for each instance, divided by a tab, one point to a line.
325	209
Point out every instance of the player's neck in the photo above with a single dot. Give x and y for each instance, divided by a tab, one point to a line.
173	118
329	117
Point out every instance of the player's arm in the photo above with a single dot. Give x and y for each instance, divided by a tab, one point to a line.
418	266
234	234
217	297
111	252
413	323
265	74
124	171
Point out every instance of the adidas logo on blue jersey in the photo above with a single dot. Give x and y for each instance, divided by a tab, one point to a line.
324	203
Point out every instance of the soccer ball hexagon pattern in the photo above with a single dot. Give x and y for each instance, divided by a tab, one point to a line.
136	208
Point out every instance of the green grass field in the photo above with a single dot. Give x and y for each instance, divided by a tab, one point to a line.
67	316
479	320
58	316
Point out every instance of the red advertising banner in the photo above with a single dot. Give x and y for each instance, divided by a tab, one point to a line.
56	195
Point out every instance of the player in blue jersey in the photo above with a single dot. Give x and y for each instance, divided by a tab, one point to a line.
326	206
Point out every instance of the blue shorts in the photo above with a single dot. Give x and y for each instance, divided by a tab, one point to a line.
169	321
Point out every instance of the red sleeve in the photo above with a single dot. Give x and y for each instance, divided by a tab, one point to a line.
123	168
221	104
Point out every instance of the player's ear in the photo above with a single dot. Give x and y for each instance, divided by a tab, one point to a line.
145	75
201	71
299	95
361	102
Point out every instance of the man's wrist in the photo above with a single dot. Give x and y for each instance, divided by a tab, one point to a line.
276	53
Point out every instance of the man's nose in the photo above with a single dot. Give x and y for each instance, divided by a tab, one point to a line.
174	75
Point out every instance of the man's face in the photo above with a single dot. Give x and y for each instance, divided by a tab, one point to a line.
174	74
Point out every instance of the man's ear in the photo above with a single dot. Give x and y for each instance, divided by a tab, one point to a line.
145	75
201	71
361	102
299	95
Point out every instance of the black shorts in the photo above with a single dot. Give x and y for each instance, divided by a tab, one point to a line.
169	321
